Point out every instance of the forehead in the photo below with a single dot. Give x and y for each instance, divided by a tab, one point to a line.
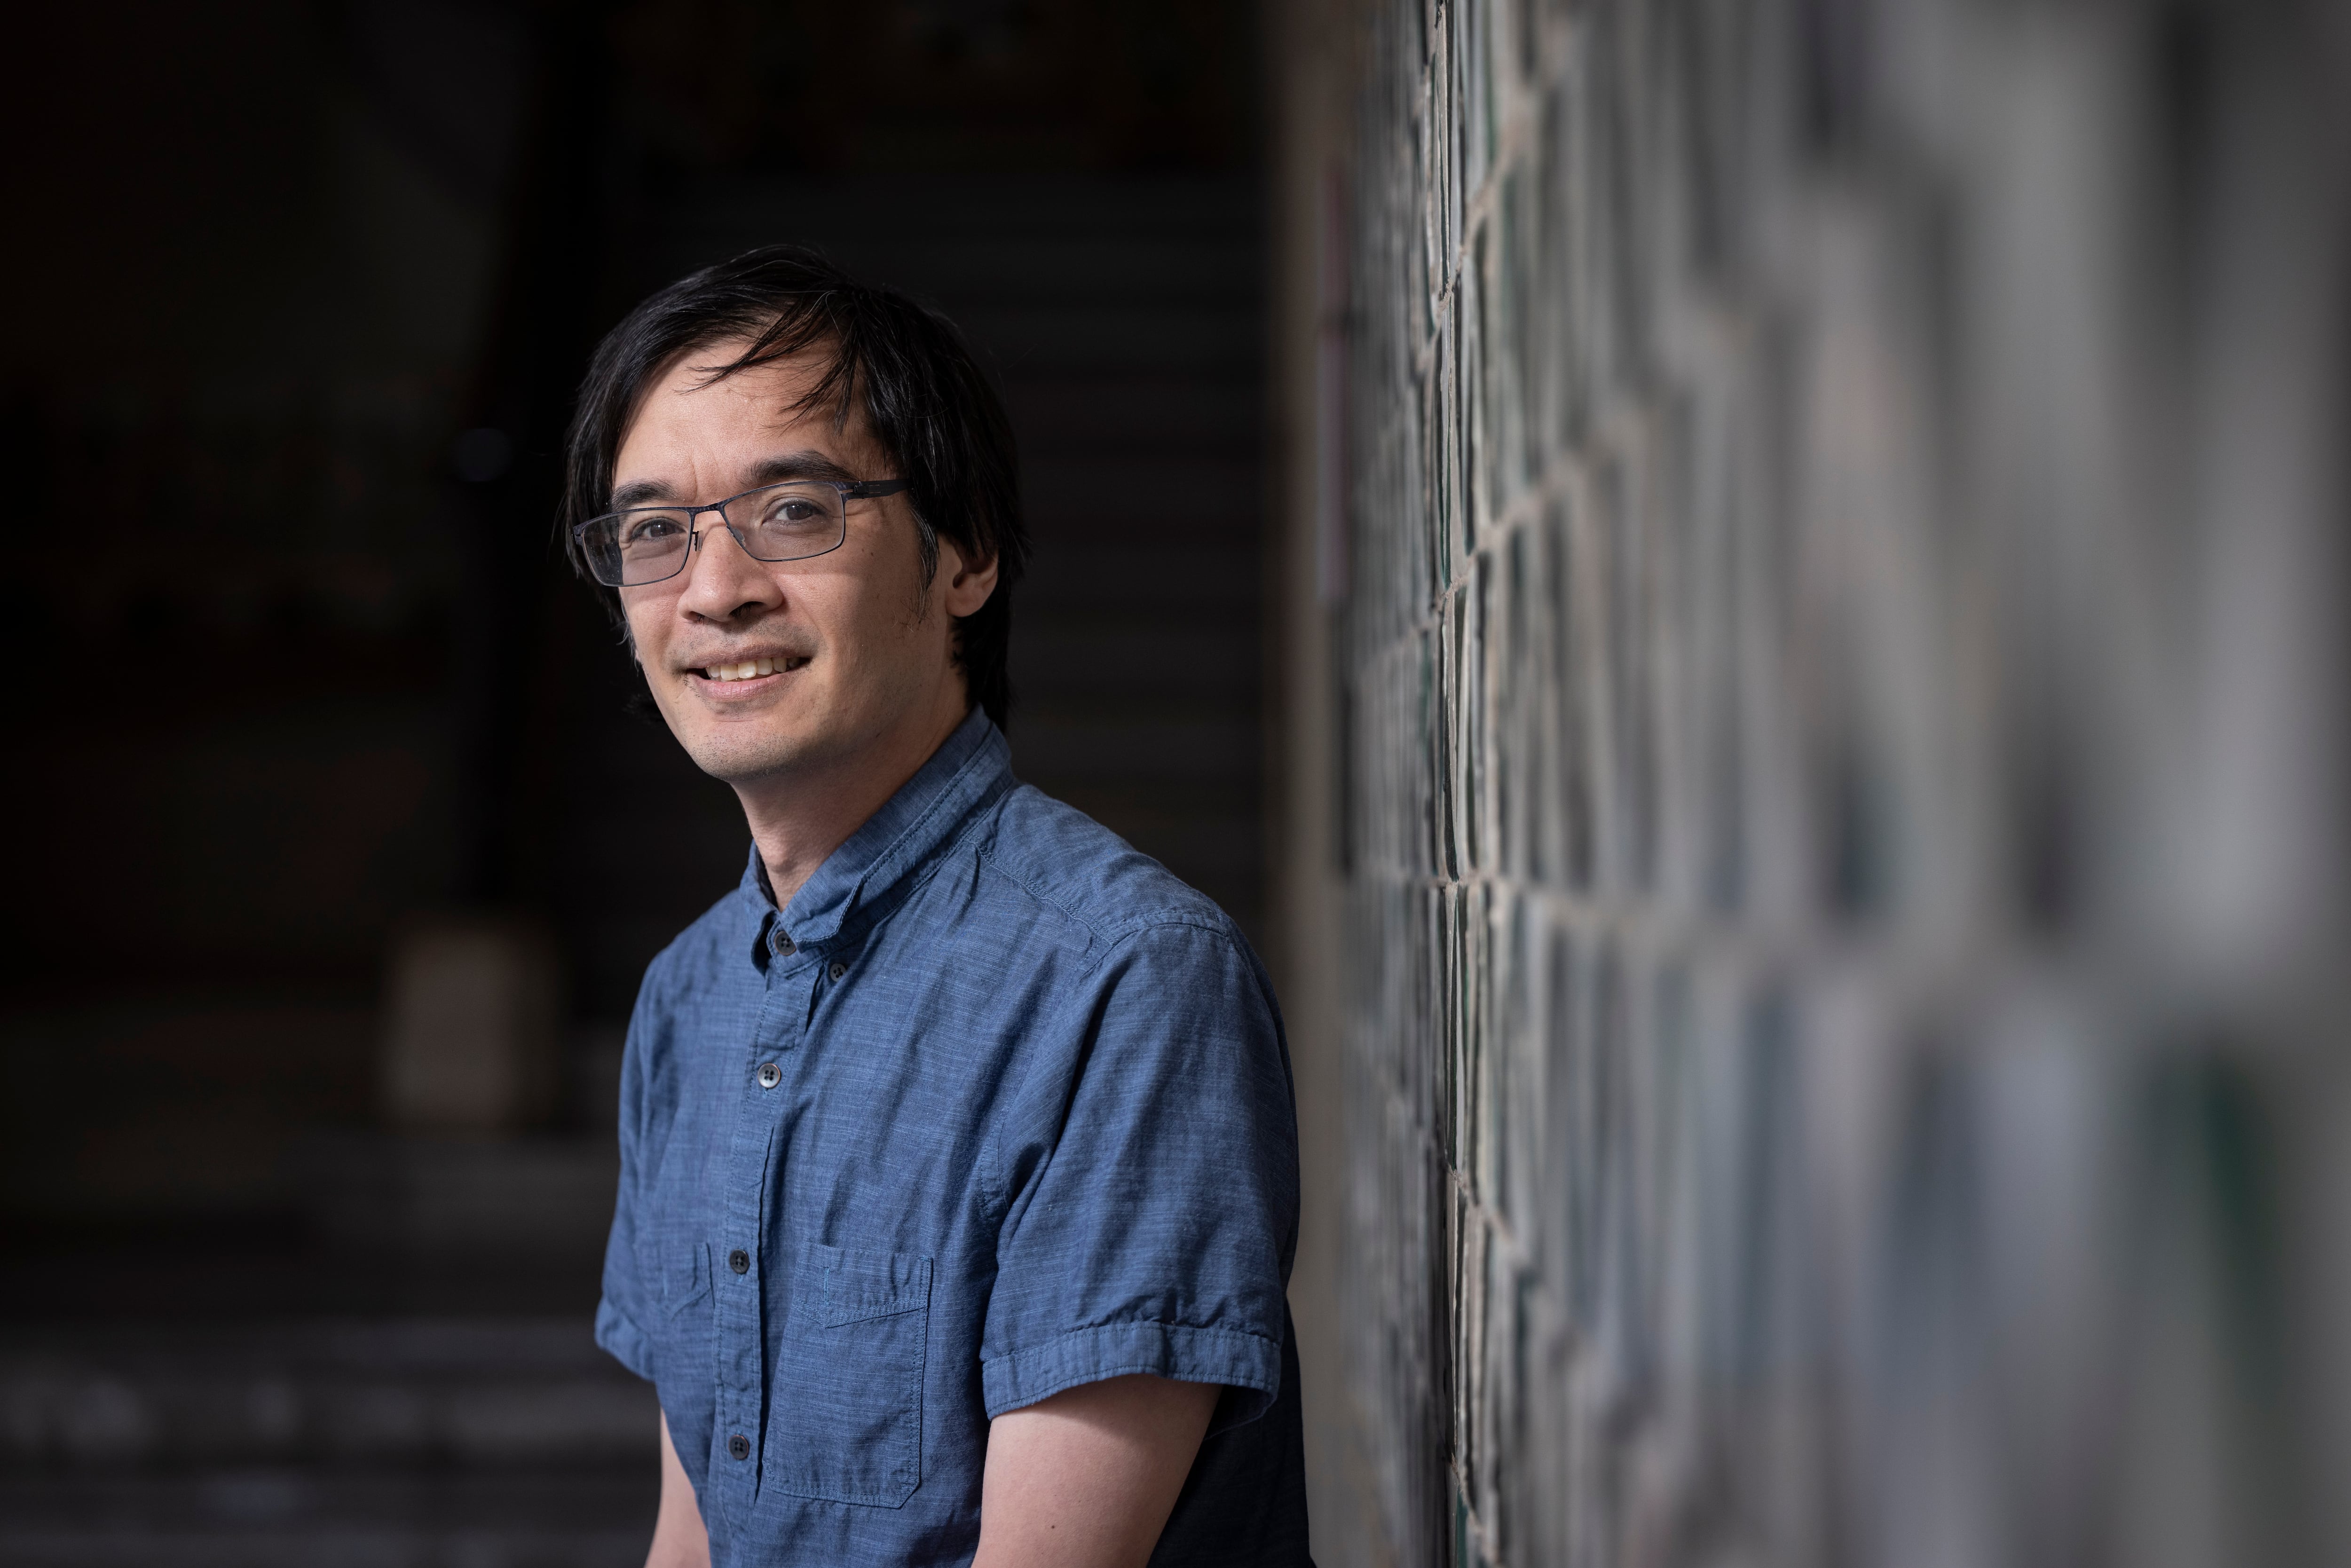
688	416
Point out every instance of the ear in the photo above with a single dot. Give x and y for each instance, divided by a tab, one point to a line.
967	585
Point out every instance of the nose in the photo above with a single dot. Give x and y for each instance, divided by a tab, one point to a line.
722	582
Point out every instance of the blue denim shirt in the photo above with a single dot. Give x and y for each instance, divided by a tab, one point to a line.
995	1108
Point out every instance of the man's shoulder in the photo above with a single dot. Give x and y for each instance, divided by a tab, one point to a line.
1057	856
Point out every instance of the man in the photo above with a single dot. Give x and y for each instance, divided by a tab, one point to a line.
958	1178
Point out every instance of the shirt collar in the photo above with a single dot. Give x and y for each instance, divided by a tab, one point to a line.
970	767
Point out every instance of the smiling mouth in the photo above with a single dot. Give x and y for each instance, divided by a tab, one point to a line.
749	669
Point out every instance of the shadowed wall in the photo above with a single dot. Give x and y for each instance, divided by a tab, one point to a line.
1812	867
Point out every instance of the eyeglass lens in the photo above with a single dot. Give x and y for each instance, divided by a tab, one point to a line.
782	522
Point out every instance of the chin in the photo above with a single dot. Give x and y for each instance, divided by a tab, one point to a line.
743	753
740	759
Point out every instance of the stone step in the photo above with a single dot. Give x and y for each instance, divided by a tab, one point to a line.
265	1517
128	1397
535	1197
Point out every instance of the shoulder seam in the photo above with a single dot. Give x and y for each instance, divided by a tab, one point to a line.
987	858
1136	925
1127	932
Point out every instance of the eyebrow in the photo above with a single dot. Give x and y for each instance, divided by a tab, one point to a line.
779	470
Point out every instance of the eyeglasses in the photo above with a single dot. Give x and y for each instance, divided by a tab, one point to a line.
775	522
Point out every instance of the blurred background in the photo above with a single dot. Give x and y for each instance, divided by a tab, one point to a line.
1745	597
331	914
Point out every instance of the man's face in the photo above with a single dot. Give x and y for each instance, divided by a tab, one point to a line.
858	645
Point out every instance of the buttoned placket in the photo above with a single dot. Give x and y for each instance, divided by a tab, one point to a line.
801	972
755	1150
797	980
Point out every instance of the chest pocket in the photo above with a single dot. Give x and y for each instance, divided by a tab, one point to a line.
847	1419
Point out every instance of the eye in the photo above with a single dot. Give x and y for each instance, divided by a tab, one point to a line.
793	510
650	530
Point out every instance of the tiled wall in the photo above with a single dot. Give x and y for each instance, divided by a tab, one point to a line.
1840	690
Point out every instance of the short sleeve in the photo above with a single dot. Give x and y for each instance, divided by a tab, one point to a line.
1149	1169
622	1311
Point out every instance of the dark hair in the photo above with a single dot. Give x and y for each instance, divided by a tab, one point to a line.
929	406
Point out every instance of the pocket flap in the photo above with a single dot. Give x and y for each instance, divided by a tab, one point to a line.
860	1285
685	1274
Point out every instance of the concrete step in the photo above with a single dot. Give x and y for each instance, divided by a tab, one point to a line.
265	1517
125	1398
538	1197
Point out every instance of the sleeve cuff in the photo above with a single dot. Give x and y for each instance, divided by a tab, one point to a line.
1249	1365
623	1340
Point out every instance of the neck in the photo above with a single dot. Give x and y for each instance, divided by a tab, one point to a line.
798	817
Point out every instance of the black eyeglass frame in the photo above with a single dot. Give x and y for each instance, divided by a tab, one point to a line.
850	490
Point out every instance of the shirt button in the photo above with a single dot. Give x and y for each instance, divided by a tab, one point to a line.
783	944
739	1261
740	1446
770	1075
837	970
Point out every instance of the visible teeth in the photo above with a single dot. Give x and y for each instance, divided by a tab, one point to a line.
751	668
